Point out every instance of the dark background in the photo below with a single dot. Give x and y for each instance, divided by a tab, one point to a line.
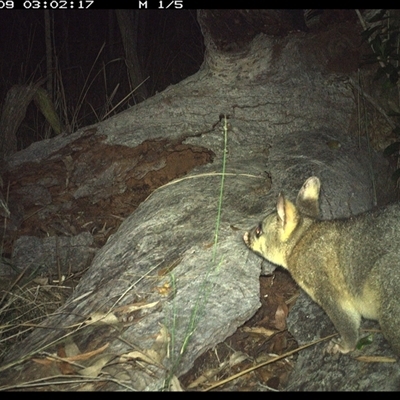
89	80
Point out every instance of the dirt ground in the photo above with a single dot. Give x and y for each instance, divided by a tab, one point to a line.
260	339
24	302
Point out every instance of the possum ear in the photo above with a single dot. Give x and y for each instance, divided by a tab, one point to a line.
307	200
288	217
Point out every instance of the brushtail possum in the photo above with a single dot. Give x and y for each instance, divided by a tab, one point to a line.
350	267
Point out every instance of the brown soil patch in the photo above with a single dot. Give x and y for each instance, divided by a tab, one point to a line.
91	186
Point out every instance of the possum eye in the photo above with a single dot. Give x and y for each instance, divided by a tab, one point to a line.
259	231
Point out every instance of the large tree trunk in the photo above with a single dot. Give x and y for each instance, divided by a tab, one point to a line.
128	21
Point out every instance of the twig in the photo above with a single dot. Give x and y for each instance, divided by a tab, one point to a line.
246	371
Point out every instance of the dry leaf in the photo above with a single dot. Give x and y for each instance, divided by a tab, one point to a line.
87	355
71	349
102	319
160	344
41	281
236	358
65	368
43	361
175	385
95	368
88	387
280	317
135	307
137	355
260	331
156	354
205	377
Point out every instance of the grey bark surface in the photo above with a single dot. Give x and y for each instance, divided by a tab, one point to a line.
283	116
39	255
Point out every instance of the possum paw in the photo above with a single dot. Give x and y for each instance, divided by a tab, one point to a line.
335	346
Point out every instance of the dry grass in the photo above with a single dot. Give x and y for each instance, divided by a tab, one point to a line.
26	303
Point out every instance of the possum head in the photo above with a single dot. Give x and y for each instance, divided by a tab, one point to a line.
275	236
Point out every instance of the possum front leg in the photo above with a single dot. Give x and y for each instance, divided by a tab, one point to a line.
347	322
